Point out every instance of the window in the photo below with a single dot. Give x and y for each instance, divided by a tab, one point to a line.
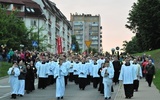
28	10
32	10
17	7
6	6
33	23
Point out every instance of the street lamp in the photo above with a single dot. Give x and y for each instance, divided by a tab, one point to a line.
117	48
38	29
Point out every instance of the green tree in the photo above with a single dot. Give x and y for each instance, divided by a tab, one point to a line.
13	32
144	21
33	36
74	41
93	50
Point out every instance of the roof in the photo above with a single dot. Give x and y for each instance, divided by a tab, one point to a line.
12	1
30	3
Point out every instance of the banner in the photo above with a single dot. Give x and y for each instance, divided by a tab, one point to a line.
59	45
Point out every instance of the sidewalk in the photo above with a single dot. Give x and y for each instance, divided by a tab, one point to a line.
144	92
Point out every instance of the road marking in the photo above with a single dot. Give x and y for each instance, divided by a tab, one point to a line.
5	95
4	86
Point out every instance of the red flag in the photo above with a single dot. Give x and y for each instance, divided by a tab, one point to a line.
59	45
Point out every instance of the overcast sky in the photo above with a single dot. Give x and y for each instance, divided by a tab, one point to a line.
113	14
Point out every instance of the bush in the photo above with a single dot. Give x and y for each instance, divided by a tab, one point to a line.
4	66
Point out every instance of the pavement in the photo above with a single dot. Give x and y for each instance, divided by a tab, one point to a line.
73	93
144	93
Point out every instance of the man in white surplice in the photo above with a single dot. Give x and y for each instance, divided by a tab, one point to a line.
13	73
107	74
59	73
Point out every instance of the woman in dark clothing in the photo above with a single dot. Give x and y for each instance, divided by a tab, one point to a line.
34	72
29	81
101	86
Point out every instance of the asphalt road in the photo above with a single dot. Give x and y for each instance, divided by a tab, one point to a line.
72	92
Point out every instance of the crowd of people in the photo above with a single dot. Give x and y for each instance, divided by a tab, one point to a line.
97	70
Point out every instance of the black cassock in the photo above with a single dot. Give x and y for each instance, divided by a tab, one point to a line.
29	81
117	68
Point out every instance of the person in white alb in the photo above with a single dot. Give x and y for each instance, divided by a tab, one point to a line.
127	75
13	73
107	74
138	72
59	74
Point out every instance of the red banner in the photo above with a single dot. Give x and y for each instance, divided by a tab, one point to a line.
59	45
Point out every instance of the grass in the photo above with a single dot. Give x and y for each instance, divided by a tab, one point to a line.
156	81
155	55
4	66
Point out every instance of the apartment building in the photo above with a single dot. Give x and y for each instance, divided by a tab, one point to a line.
87	27
43	14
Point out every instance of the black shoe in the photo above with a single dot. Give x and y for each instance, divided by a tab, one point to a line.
62	97
13	96
126	97
27	92
58	98
109	98
21	95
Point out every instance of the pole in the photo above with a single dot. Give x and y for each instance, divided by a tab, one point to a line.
38	33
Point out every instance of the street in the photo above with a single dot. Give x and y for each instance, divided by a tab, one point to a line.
72	92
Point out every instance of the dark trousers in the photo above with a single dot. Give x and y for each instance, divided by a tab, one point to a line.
76	80
66	80
136	85
149	78
96	81
51	80
88	79
82	83
42	83
71	78
128	89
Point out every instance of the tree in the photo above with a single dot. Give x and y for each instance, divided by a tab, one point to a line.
144	21
13	30
92	50
74	42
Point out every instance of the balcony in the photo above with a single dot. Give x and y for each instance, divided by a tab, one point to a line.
100	45
57	25
100	27
63	29
78	23
100	36
93	25
49	21
49	33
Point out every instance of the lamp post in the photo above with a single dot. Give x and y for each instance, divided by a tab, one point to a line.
117	48
38	29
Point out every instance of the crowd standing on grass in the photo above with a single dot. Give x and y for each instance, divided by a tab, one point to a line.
100	71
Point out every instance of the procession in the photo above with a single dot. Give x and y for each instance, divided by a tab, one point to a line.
97	70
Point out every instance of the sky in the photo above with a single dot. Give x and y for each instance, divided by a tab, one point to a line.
113	14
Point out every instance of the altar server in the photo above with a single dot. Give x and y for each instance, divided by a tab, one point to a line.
13	73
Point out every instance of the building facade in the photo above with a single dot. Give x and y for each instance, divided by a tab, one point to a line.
87	28
46	19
